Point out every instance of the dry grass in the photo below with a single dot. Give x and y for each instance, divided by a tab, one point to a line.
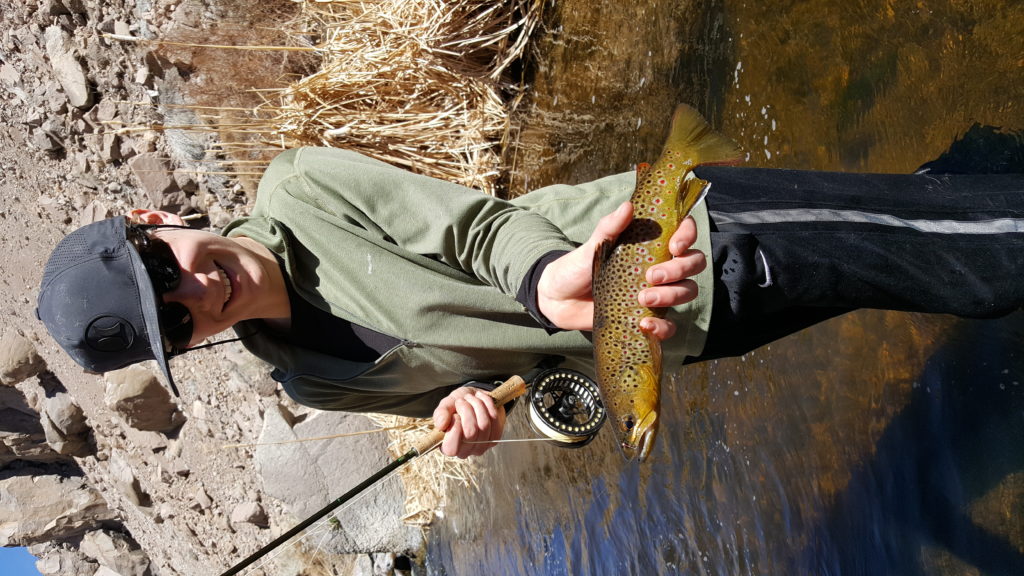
416	84
419	84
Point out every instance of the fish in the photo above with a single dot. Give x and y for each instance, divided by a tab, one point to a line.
628	359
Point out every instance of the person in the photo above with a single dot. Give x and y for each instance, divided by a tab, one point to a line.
369	288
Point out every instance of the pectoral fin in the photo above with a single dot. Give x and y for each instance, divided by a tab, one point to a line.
655	347
692	193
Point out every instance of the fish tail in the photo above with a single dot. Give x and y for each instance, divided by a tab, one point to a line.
690	131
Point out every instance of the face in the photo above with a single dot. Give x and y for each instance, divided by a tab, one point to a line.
223	280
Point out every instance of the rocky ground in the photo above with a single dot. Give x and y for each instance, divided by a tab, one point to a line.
108	475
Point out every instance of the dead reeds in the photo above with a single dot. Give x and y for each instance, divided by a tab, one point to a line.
420	84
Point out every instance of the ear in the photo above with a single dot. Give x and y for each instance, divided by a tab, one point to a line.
140	216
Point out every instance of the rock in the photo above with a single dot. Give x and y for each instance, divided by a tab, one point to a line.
94	212
376	524
45	141
250	513
65	426
123	478
66	67
138	396
36	509
19	359
115	552
110	147
60	560
201	500
383	564
9	76
22	437
155	176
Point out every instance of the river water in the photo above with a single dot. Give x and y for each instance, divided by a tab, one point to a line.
875	443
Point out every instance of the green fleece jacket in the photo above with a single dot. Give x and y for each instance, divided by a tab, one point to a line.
434	264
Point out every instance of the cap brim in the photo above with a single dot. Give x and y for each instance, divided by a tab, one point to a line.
150	303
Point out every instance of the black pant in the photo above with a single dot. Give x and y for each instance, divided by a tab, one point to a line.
792	248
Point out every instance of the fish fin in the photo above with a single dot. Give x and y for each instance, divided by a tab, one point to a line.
690	131
601	254
641	170
693	193
655	346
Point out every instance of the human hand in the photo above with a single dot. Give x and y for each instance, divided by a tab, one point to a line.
565	291
468	415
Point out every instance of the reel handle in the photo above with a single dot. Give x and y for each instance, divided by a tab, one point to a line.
511	389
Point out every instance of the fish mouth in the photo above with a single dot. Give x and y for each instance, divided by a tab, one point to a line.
640	440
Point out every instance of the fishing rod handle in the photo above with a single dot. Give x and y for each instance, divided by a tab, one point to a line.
509	390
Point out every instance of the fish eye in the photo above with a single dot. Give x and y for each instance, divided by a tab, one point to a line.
628	422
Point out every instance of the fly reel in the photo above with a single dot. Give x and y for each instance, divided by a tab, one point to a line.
566	406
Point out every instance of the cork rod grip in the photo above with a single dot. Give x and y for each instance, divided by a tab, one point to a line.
512	388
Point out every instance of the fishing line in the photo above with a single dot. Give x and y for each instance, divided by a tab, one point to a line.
505	441
330	437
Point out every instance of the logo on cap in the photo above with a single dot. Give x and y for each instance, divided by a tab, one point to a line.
110	334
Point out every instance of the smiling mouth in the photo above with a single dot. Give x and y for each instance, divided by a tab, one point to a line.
226	283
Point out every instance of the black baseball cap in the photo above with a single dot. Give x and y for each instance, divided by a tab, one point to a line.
97	301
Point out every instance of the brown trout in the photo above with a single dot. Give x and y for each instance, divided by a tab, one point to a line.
628	359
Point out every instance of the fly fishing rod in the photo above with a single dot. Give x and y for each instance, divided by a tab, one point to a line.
509	390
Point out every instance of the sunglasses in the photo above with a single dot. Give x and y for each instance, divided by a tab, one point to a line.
165	274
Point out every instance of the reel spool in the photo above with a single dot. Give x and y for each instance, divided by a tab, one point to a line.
566	406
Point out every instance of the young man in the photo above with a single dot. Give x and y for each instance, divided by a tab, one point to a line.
369	288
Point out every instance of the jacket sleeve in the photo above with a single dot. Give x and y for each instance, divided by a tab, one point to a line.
411	405
488	238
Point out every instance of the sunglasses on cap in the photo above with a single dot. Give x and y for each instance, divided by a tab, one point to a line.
165	273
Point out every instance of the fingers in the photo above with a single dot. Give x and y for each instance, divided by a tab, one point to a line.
684	236
475	422
668	296
661	329
609	227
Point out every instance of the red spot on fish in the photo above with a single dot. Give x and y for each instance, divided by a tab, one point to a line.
662	181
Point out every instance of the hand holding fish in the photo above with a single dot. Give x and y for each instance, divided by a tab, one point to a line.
468	415
565	292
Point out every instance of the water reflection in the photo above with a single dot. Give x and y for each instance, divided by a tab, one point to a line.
876	443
